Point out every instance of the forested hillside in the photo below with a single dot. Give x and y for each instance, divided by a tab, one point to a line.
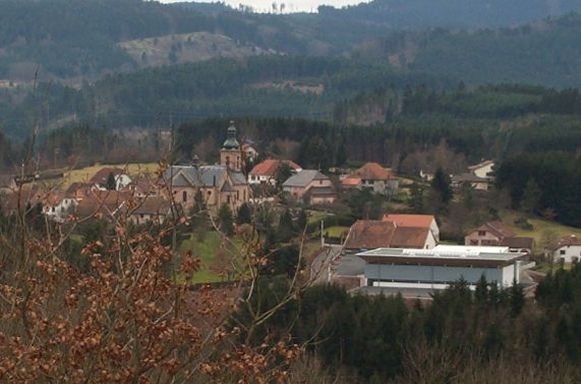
413	14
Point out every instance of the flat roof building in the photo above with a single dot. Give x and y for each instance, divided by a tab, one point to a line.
438	267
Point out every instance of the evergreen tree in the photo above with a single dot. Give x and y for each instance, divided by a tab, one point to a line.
517	299
417	198
302	221
481	291
531	197
111	183
283	173
285	226
225	220
441	185
244	214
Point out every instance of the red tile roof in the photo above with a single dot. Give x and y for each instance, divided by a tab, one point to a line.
568	240
351	181
101	176
370	234
497	228
268	167
412	221
373	171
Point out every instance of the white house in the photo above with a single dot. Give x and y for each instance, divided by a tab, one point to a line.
432	269
57	206
265	172
100	179
483	169
568	249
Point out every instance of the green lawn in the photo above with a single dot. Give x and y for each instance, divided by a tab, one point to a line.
337	231
542	229
84	174
209	248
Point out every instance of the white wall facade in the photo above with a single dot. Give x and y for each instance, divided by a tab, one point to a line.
567	253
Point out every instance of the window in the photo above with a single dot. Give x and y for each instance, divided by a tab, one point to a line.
562	252
184	196
481	233
228	199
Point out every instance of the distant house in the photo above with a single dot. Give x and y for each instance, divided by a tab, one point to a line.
101	178
491	233
370	234
373	176
311	187
568	249
58	206
470	179
497	234
143	186
415	221
265	172
107	205
479	176
79	190
483	169
150	209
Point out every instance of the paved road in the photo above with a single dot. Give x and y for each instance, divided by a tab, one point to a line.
323	263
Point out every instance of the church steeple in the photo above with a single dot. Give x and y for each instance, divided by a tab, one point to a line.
230	154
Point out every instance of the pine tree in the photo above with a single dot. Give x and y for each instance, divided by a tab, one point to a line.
441	185
244	214
225	220
111	183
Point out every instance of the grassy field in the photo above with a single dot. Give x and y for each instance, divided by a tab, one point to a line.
336	231
84	174
543	230
216	254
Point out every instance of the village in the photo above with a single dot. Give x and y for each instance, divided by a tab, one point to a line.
397	252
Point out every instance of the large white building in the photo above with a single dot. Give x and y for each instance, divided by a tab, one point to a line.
438	267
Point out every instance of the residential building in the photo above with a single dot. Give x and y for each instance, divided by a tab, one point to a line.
370	234
437	268
483	170
415	221
101	178
58	206
479	176
469	179
491	233
150	209
311	187
373	176
496	233
568	249
265	172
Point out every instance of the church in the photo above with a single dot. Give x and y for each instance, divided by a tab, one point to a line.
218	184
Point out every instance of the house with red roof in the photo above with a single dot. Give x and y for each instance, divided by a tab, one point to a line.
415	221
371	234
568	249
498	234
265	172
373	176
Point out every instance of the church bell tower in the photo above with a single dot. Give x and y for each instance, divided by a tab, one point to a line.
230	154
